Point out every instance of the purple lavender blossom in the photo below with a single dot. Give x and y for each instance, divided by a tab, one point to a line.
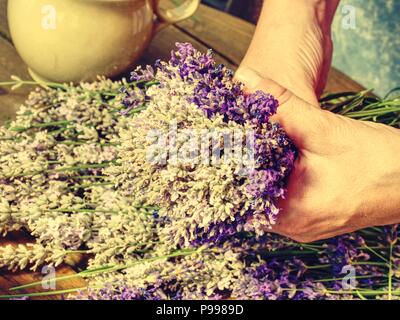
143	75
133	99
152	292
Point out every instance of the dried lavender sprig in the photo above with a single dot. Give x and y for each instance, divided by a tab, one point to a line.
364	107
17	82
66	169
43	294
112	268
19	257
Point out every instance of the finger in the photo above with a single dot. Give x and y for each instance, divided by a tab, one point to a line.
310	235
254	81
323	78
296	116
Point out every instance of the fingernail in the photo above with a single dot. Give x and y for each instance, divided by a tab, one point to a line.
249	77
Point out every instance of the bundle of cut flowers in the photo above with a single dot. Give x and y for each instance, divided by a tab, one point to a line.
168	188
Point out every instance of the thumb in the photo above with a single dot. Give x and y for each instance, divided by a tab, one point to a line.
294	114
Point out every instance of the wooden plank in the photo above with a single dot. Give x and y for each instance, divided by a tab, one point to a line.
11	64
230	37
226	34
338	82
164	42
4	31
10	279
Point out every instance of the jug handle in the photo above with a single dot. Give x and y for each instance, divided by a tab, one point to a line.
167	17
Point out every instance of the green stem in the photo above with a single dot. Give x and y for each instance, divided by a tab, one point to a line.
65	169
390	289
289	252
370	263
18	83
43	294
375	253
83	210
374	112
80	143
113	268
92	185
356	277
322	266
41	125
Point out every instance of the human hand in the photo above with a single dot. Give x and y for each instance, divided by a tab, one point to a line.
347	175
292	45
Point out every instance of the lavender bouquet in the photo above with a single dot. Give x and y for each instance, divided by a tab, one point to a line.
202	150
168	187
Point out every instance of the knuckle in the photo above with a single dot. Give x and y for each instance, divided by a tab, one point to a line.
301	238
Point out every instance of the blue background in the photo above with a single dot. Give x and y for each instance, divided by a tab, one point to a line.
369	53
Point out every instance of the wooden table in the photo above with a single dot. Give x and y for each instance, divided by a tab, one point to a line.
228	36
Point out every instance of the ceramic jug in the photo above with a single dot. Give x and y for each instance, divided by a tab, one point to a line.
76	40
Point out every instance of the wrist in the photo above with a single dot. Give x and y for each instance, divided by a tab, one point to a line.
388	197
380	203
